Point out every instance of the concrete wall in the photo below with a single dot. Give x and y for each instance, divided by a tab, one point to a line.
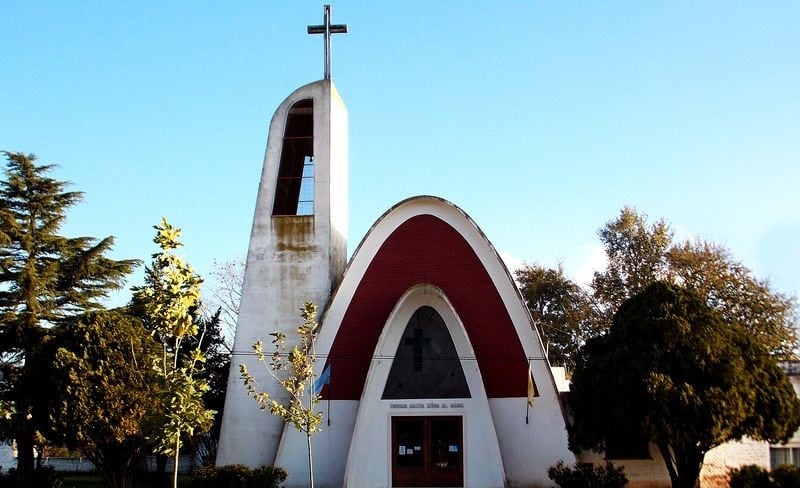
291	260
8	460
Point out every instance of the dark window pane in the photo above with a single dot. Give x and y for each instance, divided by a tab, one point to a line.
410	437
445	443
426	363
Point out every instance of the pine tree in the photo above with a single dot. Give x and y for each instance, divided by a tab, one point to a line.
44	278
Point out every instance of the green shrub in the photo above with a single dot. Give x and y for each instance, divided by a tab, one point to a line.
587	475
750	476
237	476
267	477
786	477
45	477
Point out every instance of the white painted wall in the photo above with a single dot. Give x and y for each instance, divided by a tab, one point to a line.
720	460
329	447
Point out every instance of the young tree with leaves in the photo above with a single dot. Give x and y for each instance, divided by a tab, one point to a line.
672	369
293	369
45	278
169	302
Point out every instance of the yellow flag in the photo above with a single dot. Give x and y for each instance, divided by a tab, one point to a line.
531	387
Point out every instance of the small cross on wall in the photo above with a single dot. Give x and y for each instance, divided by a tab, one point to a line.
327	29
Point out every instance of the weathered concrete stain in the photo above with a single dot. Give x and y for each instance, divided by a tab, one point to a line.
293	233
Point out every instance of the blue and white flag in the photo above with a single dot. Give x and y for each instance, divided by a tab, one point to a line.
324	379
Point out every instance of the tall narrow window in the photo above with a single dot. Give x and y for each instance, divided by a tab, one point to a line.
294	192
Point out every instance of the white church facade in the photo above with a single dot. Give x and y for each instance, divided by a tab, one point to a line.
428	344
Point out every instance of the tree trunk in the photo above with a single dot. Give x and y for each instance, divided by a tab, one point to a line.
25	429
669	462
115	465
689	462
177	456
24	437
310	463
683	467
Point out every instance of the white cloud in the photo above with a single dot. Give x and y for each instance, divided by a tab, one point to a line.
512	263
590	258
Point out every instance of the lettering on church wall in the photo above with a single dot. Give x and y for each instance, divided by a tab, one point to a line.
430	405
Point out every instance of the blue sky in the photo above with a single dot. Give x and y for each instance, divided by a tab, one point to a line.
540	120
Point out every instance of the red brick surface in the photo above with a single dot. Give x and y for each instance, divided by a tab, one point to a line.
425	249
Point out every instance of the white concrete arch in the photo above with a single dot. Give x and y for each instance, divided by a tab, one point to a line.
369	459
490	259
528	448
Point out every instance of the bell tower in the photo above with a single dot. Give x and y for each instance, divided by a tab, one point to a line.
297	251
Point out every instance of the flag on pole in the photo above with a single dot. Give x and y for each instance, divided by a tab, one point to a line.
324	379
531	387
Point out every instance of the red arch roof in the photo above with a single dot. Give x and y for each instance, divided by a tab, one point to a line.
426	249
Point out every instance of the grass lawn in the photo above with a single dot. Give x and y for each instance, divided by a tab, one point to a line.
93	481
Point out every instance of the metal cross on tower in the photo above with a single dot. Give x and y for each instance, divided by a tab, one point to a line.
327	29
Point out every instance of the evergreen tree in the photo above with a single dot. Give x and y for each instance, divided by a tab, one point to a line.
673	370
44	278
215	372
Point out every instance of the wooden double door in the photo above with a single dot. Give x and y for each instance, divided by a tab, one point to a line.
427	451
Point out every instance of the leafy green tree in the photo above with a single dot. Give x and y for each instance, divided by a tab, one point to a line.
730	288
640	253
44	279
169	301
561	311
293	369
674	370
103	397
636	255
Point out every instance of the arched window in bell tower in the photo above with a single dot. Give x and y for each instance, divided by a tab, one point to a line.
294	191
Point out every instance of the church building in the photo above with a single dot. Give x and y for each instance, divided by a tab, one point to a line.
434	375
